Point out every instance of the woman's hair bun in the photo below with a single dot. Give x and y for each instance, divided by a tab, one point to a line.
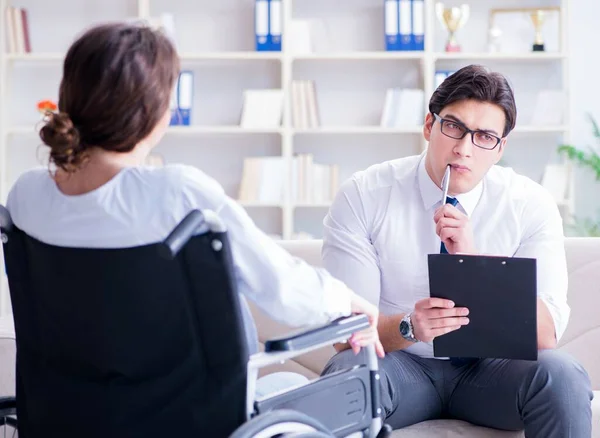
63	138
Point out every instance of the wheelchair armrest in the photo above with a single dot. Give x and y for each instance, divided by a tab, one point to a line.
335	331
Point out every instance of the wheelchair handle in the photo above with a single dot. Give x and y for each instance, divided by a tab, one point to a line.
195	222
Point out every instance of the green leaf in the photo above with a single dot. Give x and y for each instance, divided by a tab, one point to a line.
595	129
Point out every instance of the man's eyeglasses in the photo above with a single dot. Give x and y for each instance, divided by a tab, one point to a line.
456	130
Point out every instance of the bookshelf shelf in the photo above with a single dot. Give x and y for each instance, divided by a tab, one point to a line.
312	205
533	56
35	57
246	204
230	56
540	129
360	56
367	130
199	130
22	130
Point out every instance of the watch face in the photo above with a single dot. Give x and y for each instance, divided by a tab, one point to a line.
404	329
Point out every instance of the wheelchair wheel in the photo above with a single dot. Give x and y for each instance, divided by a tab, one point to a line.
282	423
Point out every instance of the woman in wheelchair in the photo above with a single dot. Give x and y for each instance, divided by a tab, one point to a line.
113	110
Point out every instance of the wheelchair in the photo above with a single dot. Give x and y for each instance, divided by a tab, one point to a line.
149	341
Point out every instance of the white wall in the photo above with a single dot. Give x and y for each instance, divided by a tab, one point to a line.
585	95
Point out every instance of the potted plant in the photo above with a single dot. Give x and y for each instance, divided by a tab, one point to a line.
588	159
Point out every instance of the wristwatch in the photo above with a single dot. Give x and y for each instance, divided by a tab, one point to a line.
406	329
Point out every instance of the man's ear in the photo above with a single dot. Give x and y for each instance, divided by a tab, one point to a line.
428	126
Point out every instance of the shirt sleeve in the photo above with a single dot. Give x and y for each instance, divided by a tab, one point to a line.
543	240
348	253
285	287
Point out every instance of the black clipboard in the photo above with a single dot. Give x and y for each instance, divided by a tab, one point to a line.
501	295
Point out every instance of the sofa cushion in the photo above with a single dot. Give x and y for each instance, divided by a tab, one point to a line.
461	429
451	429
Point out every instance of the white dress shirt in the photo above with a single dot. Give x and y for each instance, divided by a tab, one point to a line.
142	205
380	230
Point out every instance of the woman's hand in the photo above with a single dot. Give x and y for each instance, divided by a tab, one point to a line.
368	336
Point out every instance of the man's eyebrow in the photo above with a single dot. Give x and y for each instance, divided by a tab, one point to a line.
456	119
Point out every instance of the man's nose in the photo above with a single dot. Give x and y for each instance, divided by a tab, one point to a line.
464	147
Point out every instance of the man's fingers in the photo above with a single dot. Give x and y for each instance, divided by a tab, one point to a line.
449	210
447	222
431	303
448	322
446	313
447	234
434	333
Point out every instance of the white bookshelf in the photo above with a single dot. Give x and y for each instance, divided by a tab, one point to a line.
351	70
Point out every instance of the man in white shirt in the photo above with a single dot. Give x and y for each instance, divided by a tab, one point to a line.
386	219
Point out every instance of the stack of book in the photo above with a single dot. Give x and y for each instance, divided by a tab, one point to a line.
264	180
305	109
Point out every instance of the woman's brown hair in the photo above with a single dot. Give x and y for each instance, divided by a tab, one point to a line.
116	87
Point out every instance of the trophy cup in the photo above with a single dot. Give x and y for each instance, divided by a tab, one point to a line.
452	19
538	21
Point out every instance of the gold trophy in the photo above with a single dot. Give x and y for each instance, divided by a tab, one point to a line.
538	21
452	19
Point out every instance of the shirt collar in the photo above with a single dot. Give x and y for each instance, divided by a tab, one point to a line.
431	194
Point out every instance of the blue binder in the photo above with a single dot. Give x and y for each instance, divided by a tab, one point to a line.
418	24
182	100
390	18
267	25
405	25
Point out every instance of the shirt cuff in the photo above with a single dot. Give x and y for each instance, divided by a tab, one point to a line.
559	317
337	298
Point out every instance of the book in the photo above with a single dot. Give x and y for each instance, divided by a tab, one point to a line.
262	109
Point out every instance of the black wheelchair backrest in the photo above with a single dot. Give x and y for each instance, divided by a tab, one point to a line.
131	342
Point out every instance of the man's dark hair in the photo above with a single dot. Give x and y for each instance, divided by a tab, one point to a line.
478	83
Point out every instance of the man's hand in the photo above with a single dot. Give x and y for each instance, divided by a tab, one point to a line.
454	229
435	317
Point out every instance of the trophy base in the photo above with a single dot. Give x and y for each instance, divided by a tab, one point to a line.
453	48
538	48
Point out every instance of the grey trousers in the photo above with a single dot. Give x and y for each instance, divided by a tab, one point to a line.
548	398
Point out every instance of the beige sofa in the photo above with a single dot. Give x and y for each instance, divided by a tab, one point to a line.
582	338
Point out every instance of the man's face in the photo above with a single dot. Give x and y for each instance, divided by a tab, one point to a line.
469	162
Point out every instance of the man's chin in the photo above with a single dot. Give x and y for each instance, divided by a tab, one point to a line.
461	186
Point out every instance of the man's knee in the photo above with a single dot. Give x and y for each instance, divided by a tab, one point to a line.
343	360
566	379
